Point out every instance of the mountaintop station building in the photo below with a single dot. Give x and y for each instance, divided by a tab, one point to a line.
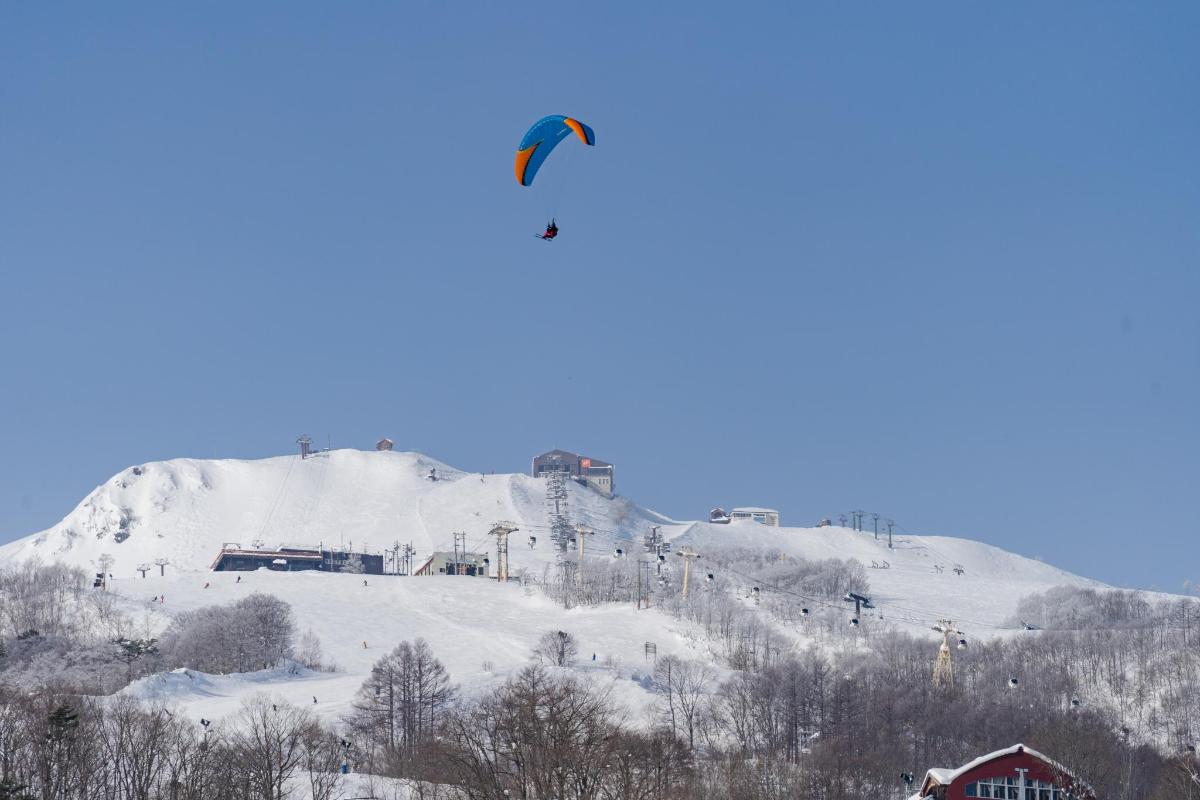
289	558
763	516
1014	773
584	469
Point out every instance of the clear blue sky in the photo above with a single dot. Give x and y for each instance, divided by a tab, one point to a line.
937	260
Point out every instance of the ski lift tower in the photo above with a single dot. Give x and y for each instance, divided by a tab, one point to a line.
943	668
305	442
501	530
688	554
561	532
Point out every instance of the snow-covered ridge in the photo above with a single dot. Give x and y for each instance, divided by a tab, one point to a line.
184	510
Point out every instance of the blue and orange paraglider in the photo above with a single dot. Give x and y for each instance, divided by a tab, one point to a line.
542	138
536	146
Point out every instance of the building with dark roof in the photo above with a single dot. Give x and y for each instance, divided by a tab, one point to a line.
600	475
297	559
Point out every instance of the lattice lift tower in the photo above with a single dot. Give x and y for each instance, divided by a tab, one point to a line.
561	532
943	668
501	530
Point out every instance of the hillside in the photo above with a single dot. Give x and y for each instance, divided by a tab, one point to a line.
184	510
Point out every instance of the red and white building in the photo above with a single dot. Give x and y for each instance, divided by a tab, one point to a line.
1014	773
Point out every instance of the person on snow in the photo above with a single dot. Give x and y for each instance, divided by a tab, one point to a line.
551	231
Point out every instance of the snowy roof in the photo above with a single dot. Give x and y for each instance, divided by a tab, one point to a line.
277	556
754	510
944	777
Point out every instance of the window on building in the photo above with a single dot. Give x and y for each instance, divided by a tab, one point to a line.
1008	789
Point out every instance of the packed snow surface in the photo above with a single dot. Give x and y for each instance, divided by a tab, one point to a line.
482	631
184	511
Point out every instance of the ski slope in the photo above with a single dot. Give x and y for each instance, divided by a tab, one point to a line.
481	630
917	581
185	510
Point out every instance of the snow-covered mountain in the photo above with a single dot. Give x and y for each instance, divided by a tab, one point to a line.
186	510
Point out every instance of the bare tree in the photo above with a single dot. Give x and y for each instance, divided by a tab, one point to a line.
401	704
268	740
558	648
685	687
324	754
541	736
256	632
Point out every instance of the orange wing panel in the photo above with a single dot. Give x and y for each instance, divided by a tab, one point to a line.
523	157
575	126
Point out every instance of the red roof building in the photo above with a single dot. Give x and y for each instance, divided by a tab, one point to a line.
1014	773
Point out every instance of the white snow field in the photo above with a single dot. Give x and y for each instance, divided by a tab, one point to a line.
185	510
482	631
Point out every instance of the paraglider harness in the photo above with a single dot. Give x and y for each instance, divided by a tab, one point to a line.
551	231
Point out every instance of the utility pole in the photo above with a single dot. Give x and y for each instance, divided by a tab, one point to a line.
687	555
457	562
643	594
501	530
406	553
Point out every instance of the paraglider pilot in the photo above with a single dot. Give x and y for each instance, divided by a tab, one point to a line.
551	231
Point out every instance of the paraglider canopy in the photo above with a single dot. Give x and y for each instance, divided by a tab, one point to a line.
542	138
